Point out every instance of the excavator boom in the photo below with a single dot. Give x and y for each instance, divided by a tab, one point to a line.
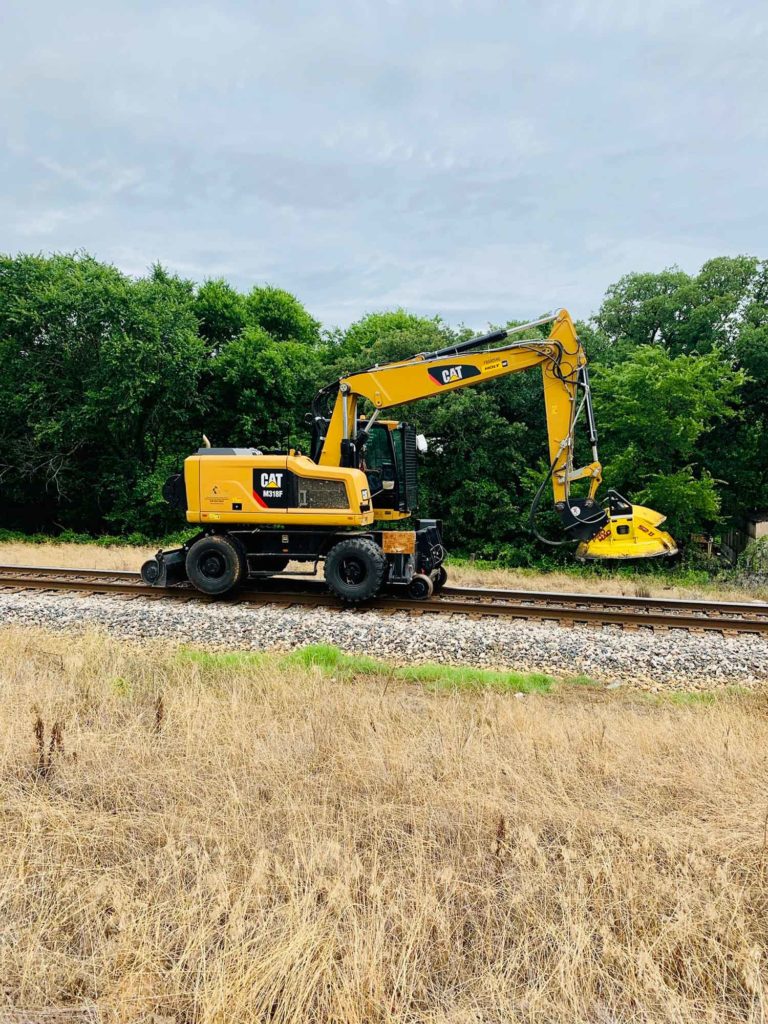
618	530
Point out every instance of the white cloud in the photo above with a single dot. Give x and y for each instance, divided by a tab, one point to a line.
482	160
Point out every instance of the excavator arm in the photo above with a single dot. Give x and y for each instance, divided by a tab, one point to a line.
618	530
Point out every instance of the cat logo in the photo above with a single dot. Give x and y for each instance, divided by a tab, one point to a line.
453	374
271	488
268	488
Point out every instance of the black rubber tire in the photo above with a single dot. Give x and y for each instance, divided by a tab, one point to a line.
439	579
355	569
421	587
216	565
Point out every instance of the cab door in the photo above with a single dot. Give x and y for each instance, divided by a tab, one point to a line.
379	463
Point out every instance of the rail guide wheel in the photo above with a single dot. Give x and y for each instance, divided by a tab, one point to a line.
150	571
421	587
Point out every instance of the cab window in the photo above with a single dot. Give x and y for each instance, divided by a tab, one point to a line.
377	459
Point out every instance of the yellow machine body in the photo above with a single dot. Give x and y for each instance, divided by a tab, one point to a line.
240	486
259	512
636	535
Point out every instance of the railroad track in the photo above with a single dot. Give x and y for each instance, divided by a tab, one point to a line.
567	609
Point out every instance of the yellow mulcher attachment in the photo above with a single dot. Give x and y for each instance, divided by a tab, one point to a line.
632	531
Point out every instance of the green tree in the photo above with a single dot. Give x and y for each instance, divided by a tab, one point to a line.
261	390
724	307
472	472
98	382
743	461
220	312
107	382
281	315
681	312
654	411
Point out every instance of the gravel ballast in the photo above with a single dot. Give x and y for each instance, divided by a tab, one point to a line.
669	658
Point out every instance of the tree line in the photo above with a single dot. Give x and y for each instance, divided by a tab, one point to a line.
107	382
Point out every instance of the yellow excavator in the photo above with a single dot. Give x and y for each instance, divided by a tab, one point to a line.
258	511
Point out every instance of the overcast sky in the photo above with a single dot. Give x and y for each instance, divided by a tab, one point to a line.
482	160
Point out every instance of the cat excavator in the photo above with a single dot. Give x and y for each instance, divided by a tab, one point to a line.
259	511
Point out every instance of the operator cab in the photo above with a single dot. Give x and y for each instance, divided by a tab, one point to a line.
386	452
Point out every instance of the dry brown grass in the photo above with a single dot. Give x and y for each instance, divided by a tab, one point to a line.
184	842
95	557
76	556
638	586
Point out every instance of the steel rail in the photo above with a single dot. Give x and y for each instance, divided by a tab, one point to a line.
466	593
448	592
602	609
616	600
66	571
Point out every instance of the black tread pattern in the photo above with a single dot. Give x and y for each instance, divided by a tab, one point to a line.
375	560
232	552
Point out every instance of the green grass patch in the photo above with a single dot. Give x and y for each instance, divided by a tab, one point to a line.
682	574
703	698
100	540
330	659
333	662
223	659
581	681
691	698
326	657
465	677
121	686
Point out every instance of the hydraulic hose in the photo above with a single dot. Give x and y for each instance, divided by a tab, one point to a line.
535	510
